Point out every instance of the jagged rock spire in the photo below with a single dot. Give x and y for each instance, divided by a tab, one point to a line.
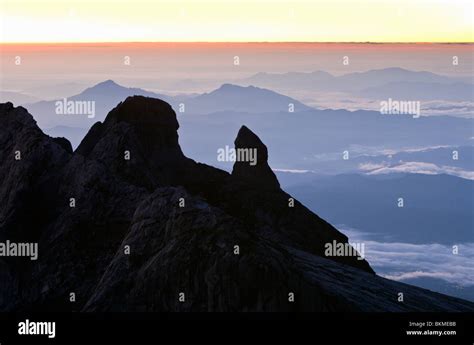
255	169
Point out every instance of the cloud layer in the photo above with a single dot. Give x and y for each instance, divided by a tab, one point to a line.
415	168
402	261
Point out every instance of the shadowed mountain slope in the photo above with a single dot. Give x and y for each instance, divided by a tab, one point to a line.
127	222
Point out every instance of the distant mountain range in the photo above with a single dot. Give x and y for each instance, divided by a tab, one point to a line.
378	84
108	93
17	98
421	91
105	95
243	99
350	81
222	110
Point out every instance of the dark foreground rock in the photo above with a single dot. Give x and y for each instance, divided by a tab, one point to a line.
128	223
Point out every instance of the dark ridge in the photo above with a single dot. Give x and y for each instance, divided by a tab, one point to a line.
181	221
64	143
90	140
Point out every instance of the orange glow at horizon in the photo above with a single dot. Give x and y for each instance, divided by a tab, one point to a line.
29	21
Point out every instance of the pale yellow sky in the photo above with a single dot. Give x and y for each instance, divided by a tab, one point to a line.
236	20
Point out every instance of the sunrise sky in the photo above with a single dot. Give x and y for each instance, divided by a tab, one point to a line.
236	21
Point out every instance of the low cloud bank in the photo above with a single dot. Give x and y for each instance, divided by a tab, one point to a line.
403	261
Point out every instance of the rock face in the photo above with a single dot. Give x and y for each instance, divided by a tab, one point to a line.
29	160
127	222
257	172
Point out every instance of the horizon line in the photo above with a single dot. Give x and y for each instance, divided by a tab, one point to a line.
246	42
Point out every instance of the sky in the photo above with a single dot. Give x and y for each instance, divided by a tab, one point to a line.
38	21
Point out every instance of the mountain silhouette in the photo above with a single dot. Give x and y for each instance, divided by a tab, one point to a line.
420	91
243	99
105	94
109	89
17	97
392	79
108	93
128	223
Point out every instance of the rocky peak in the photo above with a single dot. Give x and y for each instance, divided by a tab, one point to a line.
105	86
255	169
145	112
145	130
16	117
153	121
